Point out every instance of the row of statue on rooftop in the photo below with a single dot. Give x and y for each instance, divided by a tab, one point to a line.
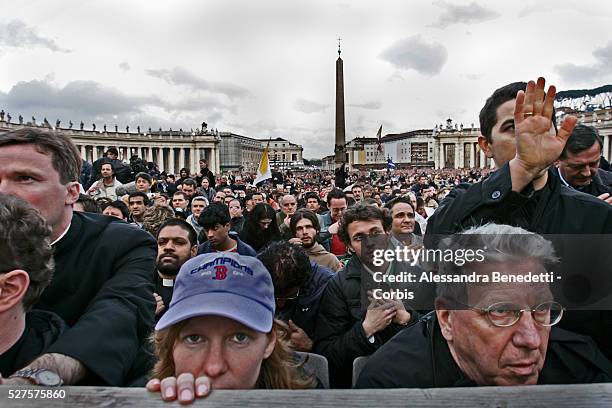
202	130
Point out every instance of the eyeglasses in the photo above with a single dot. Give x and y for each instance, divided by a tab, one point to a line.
372	236
505	314
293	297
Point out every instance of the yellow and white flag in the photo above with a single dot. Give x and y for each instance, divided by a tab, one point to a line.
263	171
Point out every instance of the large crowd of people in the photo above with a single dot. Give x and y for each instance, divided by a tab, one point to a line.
122	274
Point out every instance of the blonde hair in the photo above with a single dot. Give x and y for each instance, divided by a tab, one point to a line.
279	371
155	216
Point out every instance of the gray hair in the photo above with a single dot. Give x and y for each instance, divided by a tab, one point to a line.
498	243
282	200
200	198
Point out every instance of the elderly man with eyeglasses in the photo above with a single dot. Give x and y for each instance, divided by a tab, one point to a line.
490	333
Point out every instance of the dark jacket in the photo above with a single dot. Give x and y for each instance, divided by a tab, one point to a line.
236	224
340	176
205	172
122	171
556	209
85	174
600	184
419	357
209	194
242	248
285	231
102	289
303	311
42	329
339	334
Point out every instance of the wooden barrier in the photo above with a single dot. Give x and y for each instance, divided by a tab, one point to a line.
559	396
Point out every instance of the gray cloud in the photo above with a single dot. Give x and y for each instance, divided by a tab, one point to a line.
467	14
90	101
372	105
85	96
604	54
305	106
590	73
426	58
579	73
182	76
124	66
17	34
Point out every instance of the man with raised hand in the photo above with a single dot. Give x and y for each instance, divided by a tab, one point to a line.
519	134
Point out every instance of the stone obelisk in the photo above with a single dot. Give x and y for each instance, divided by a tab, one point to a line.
340	136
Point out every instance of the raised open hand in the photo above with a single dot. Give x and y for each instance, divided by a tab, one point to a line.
537	143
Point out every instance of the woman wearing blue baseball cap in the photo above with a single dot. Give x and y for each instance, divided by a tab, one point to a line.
219	332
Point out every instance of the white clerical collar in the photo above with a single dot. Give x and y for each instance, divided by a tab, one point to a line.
63	233
167	282
562	179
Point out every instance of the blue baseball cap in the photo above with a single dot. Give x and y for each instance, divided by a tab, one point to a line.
223	284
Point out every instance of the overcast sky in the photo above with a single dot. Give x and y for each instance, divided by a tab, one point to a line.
265	68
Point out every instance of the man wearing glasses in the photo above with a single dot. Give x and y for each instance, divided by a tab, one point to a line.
349	326
490	333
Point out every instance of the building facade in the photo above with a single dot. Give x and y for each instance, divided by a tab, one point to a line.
456	146
239	152
328	163
447	146
245	152
283	154
169	150
451	145
600	119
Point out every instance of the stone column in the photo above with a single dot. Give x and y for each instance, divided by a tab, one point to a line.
482	159
458	155
94	152
83	152
186	161
606	147
159	159
193	160
472	158
171	164
181	158
441	156
217	160
211	158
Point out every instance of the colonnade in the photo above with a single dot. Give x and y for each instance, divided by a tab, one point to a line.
169	158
